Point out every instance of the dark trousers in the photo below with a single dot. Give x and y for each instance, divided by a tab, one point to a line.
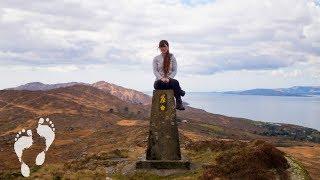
172	84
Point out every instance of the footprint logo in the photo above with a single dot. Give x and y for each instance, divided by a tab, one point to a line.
23	140
46	130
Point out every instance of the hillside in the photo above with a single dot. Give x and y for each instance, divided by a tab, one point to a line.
90	121
128	95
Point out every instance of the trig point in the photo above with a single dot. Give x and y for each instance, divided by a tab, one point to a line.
163	151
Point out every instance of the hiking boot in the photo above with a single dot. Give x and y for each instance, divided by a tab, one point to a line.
179	105
182	92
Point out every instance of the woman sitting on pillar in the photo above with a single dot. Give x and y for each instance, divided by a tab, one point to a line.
165	68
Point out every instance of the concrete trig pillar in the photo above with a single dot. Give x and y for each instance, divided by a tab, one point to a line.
163	151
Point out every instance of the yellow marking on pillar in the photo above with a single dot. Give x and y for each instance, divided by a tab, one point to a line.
162	99
163	102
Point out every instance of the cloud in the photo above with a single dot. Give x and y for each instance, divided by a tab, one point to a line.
283	73
206	37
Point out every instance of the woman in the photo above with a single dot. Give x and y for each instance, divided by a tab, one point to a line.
165	68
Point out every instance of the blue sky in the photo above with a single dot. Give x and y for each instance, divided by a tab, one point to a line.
219	45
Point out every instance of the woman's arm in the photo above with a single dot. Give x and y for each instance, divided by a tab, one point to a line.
155	69
174	67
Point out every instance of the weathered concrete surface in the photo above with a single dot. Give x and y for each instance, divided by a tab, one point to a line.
163	151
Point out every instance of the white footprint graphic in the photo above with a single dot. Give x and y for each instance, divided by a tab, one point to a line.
47	132
23	142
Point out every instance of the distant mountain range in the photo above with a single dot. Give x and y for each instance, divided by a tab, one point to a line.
38	86
292	91
125	94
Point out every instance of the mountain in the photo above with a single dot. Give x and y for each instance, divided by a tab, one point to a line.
293	91
95	129
302	90
36	86
128	95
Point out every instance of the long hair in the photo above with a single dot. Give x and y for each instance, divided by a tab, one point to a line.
166	58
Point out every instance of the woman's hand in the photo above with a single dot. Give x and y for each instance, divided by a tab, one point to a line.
166	80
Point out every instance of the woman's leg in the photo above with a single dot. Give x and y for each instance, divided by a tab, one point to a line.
158	84
174	84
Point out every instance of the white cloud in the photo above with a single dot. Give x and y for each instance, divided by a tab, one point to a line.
283	73
206	37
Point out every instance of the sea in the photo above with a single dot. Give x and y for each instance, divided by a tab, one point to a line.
303	111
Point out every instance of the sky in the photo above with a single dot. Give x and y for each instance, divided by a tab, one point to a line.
219	45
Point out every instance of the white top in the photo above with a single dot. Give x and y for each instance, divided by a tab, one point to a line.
158	66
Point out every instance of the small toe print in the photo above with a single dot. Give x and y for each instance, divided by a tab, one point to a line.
47	119
29	132
41	120
23	130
